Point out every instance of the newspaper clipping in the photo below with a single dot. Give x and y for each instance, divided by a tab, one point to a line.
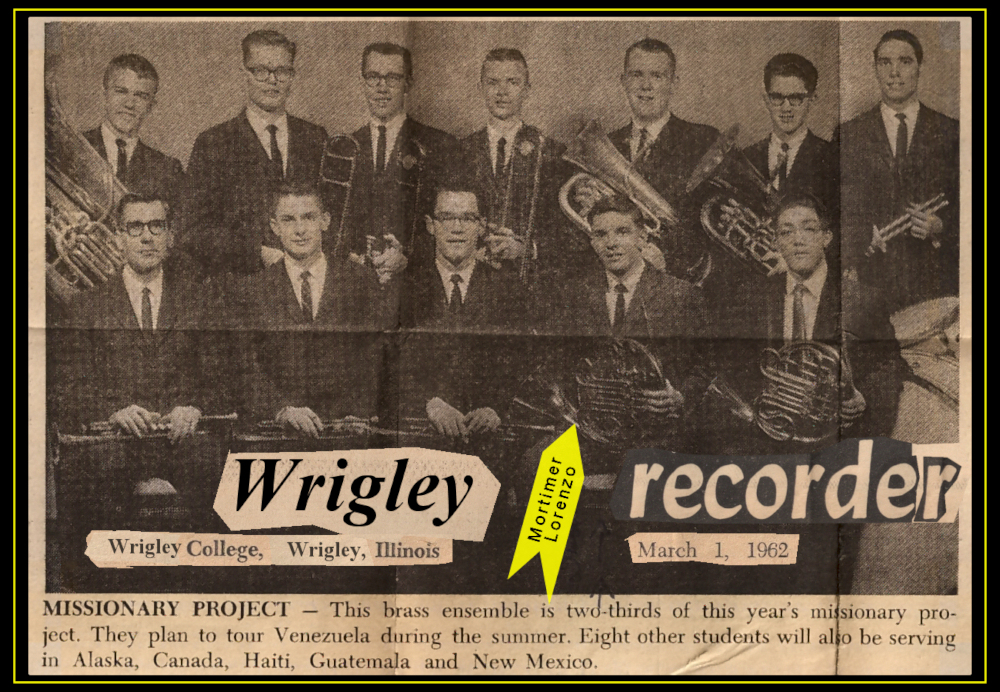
338	323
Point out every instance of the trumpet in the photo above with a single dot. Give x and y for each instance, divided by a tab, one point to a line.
801	400
340	160
881	236
104	428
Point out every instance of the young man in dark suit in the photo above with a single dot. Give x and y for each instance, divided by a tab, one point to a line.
315	324
456	367
399	165
130	85
897	156
236	166
663	148
518	172
792	158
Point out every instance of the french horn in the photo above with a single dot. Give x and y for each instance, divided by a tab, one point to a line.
805	383
81	192
736	211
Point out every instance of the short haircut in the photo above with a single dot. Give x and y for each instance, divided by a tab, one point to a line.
296	189
652	45
459	187
131	198
505	55
615	203
266	37
906	37
389	49
136	63
805	200
791	65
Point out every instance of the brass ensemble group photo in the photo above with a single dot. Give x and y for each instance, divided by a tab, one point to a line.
708	237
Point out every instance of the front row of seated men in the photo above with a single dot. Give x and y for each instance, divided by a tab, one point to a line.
315	338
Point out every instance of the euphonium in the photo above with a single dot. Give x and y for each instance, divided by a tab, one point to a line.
601	161
735	213
336	174
81	191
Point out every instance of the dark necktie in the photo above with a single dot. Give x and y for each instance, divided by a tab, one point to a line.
902	137
276	161
643	140
781	168
618	326
798	313
455	301
147	309
307	297
122	158
380	150
501	157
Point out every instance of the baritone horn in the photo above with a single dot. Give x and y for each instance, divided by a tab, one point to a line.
593	152
336	176
736	211
81	191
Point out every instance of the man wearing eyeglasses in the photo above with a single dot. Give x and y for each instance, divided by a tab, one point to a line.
141	359
663	148
130	85
398	167
236	166
897	157
792	158
451	371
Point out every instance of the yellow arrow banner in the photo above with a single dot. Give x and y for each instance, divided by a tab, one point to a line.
551	506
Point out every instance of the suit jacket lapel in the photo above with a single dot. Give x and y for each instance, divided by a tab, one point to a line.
879	138
120	306
168	307
285	293
620	138
97	141
802	159
247	133
757	156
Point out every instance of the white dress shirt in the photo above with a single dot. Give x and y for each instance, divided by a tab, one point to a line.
810	299
392	128
134	285
774	150
653	131
111	145
446	270
891	123
509	133
317	278
259	120
631	281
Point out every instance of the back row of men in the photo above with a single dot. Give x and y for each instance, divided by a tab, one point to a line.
880	166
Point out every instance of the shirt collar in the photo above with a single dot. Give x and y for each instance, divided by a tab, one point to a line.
445	269
793	143
814	284
260	119
316	267
631	279
653	129
109	135
509	132
911	111
134	283
392	126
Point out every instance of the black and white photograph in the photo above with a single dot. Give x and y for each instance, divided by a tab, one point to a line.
739	238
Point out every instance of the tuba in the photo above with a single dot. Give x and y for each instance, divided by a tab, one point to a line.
336	177
806	381
735	213
81	191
